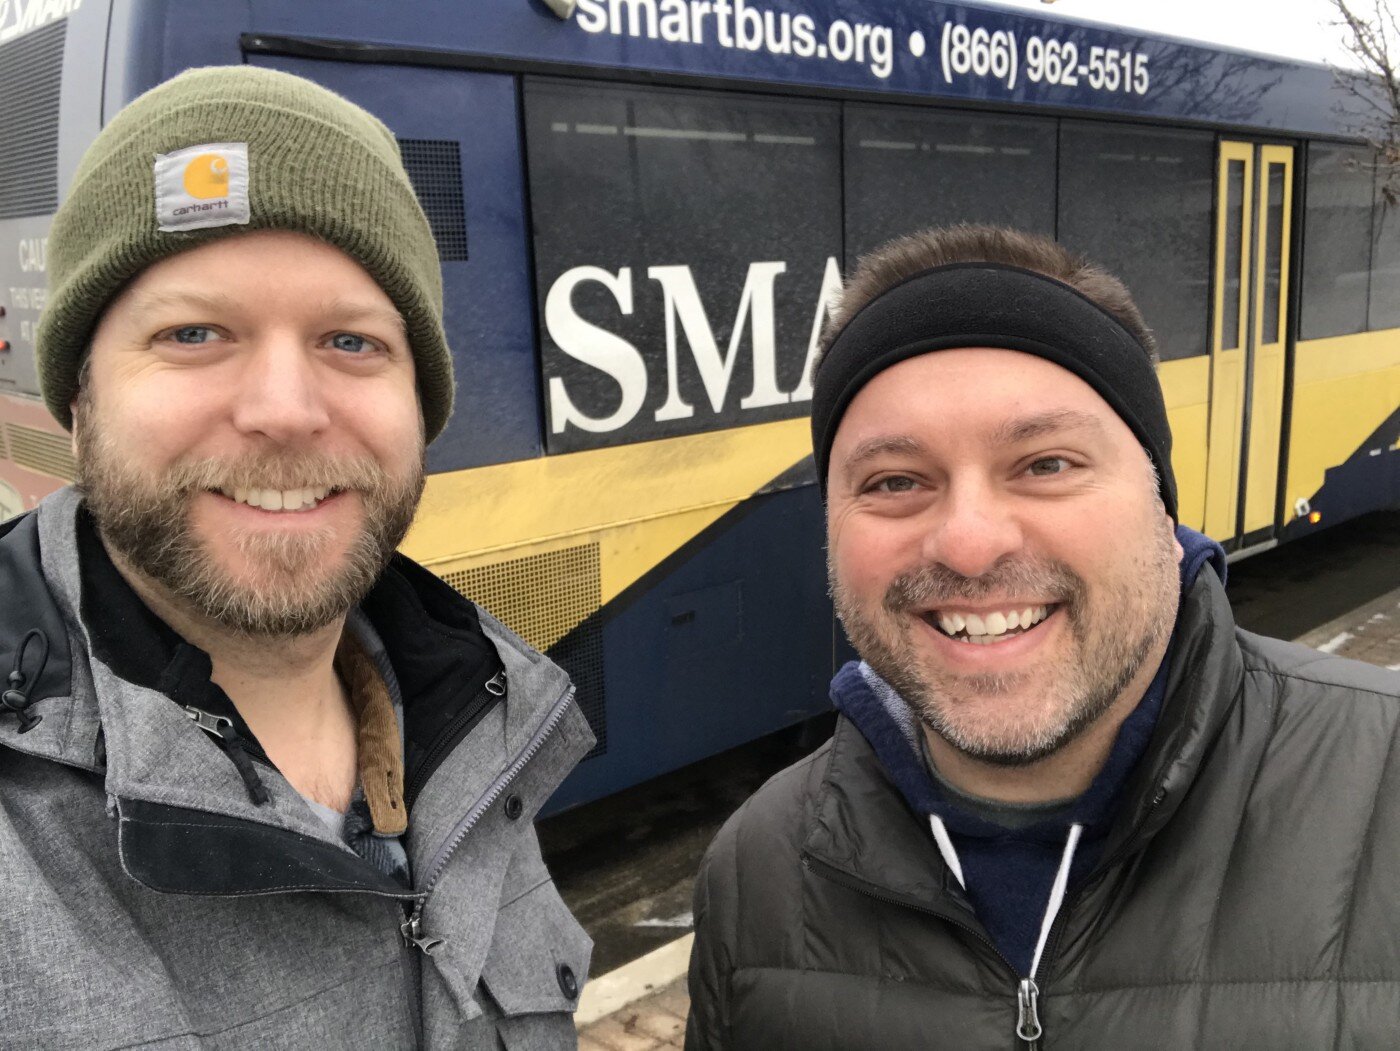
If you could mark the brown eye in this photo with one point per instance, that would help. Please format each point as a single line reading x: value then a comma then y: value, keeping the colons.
x: 1049, y: 465
x: 895, y: 484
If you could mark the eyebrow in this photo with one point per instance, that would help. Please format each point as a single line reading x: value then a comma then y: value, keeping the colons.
x: 883, y: 445
x: 343, y: 310
x: 1027, y: 428
x: 348, y: 311
x: 213, y: 302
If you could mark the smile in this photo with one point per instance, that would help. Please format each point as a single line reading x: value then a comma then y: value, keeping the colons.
x: 280, y: 499
x: 981, y: 629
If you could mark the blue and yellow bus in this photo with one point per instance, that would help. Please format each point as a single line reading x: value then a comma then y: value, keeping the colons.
x: 643, y: 208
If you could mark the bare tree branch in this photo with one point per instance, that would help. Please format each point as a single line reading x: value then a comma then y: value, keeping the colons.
x: 1373, y: 39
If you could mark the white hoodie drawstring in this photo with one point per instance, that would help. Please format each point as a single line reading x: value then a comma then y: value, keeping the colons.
x: 945, y: 847
x: 1027, y: 992
x: 1057, y: 889
x: 1057, y: 895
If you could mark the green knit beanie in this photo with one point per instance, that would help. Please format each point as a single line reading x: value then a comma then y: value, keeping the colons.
x: 219, y: 151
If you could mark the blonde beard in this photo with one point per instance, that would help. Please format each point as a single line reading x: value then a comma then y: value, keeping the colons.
x: 297, y: 589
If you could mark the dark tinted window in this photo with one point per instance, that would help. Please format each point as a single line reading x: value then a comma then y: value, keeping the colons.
x: 1385, y: 266
x: 1232, y: 263
x: 1139, y: 203
x: 1336, y: 241
x: 682, y: 240
x: 1273, y: 188
x: 907, y: 170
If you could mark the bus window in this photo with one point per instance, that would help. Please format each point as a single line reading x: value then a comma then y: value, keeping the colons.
x: 1235, y: 222
x: 1139, y: 203
x: 1385, y: 266
x: 1336, y: 241
x: 1273, y: 253
x: 685, y: 244
x: 908, y: 169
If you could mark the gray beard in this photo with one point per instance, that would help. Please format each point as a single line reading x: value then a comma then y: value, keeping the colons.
x: 1108, y: 660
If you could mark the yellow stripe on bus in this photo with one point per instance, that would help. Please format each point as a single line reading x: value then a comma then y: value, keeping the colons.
x: 640, y: 502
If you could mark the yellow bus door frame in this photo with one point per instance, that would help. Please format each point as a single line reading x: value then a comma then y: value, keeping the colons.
x: 1249, y: 337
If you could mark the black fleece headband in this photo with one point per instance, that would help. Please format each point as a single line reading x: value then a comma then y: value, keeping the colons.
x: 991, y: 305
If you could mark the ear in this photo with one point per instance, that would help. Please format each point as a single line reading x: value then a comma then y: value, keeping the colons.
x: 77, y: 422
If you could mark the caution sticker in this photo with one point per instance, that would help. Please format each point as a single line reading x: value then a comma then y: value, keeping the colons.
x: 202, y: 186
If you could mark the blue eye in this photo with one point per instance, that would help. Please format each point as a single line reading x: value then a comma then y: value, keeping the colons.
x: 350, y: 343
x: 193, y: 334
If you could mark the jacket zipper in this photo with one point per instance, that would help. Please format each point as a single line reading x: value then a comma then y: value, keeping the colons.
x: 495, y: 688
x: 1028, y: 994
x: 1028, y: 1028
x: 412, y: 928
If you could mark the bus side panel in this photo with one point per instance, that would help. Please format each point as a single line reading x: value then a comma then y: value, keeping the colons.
x: 1344, y: 452
x: 461, y: 143
x: 50, y: 98
x: 729, y: 639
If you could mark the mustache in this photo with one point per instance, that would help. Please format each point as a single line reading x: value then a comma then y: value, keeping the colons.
x: 277, y: 471
x: 935, y: 584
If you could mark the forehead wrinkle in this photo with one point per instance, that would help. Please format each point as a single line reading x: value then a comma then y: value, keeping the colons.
x: 1025, y: 428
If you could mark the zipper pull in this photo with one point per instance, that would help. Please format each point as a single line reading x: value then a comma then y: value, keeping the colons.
x: 412, y: 931
x: 1027, y: 1017
x: 214, y: 725
x: 496, y: 685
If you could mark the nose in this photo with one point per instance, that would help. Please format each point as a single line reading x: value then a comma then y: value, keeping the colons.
x: 279, y: 393
x: 976, y: 527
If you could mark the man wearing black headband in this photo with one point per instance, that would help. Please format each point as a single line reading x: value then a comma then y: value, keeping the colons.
x: 1066, y: 799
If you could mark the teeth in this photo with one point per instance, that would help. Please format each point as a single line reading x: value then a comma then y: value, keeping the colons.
x: 983, y: 629
x: 279, y: 499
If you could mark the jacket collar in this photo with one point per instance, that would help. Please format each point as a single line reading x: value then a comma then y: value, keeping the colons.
x: 862, y: 826
x: 156, y: 756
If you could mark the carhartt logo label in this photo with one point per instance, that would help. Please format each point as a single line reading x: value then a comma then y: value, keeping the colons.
x: 207, y: 176
x: 202, y: 186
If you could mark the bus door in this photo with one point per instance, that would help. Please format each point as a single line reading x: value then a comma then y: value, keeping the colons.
x: 1254, y: 200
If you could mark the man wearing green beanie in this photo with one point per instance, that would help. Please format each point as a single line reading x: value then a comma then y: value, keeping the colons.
x: 263, y: 782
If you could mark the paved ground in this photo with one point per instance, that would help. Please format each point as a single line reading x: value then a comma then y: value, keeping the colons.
x: 654, y: 1022
x: 1370, y: 632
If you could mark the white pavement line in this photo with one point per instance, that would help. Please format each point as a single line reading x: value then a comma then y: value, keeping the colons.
x: 615, y: 990
x: 1388, y: 603
x: 1332, y: 645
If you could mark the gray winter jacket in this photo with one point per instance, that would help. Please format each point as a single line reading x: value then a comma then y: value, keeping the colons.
x: 148, y: 902
x: 1247, y: 896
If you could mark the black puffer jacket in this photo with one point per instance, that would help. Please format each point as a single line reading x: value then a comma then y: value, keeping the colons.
x: 1247, y: 897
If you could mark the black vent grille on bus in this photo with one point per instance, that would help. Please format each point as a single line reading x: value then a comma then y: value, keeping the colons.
x: 551, y: 601
x: 41, y: 451
x: 30, y: 71
x: 434, y: 167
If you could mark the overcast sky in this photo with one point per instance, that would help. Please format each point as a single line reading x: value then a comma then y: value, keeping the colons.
x: 1295, y: 28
